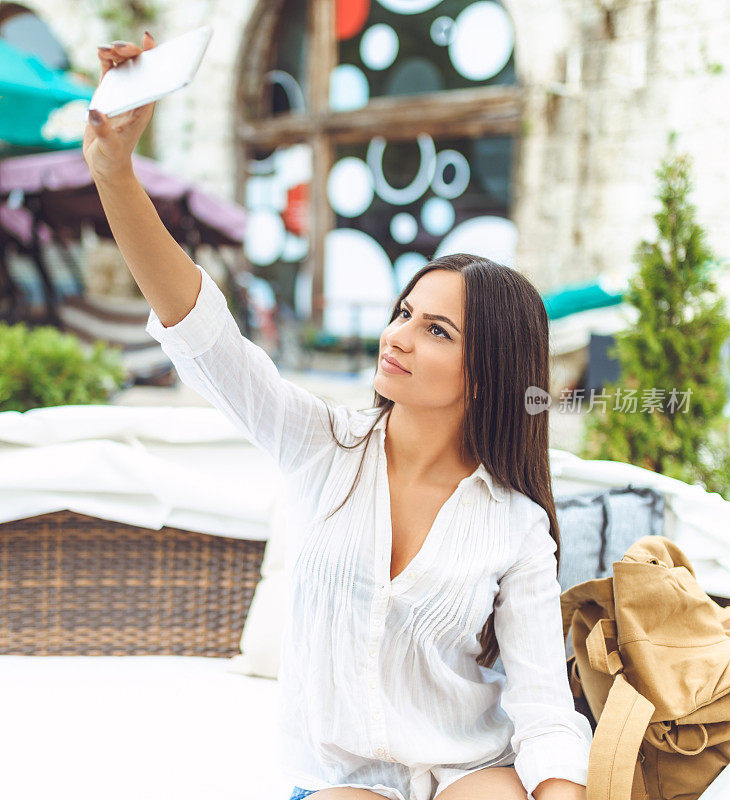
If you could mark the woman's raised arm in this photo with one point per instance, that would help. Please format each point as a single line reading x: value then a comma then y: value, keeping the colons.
x: 238, y: 377
x: 165, y: 274
x: 189, y: 314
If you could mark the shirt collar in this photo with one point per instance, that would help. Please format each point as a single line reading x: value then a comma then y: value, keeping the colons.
x: 498, y: 492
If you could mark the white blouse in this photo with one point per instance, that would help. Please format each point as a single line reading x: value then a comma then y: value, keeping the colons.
x: 379, y: 684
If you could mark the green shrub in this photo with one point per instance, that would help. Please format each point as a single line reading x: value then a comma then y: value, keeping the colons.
x: 42, y: 367
x: 675, y: 345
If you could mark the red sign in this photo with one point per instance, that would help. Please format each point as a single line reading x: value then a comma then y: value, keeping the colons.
x: 296, y: 213
x: 350, y: 17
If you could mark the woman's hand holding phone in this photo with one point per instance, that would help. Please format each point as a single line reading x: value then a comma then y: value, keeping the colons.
x: 110, y: 141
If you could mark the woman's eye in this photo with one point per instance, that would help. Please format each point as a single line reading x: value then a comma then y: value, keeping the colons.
x: 438, y: 327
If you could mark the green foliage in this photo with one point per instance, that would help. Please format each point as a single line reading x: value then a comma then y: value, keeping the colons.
x: 675, y: 344
x: 125, y: 15
x: 42, y: 367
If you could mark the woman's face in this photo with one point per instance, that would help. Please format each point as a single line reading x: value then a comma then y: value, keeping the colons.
x: 430, y: 349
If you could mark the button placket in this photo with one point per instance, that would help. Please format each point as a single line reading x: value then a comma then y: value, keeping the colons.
x: 377, y: 626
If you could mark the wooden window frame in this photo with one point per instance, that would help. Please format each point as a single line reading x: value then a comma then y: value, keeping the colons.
x: 471, y: 112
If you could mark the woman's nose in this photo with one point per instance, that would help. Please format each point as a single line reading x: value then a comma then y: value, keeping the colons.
x: 399, y: 337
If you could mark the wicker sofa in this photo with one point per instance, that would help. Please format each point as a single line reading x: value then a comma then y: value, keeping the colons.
x: 116, y: 641
x: 119, y: 618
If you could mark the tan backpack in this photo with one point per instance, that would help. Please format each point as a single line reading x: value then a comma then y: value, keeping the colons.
x: 652, y: 660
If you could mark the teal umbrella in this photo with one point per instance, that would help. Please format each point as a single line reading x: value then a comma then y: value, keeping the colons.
x: 40, y: 108
x: 574, y: 297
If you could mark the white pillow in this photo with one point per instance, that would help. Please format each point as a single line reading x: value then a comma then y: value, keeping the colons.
x: 263, y: 630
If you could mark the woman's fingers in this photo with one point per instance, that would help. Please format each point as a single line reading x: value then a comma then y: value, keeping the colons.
x: 119, y: 51
x: 105, y: 56
x: 100, y: 122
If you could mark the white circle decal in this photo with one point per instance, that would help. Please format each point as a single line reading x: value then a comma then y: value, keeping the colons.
x: 258, y: 193
x: 358, y: 284
x: 349, y: 88
x: 482, y: 41
x: 442, y: 31
x: 490, y: 237
x: 403, y: 228
x: 295, y: 247
x: 437, y: 216
x: 460, y: 180
x: 303, y: 294
x: 424, y: 176
x: 408, y: 6
x: 292, y: 90
x: 350, y: 187
x: 379, y: 46
x: 406, y: 266
x: 264, y: 237
x: 294, y: 164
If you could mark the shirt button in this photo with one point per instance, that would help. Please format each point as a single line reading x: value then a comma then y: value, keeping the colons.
x: 376, y: 714
x: 465, y: 501
x: 372, y: 684
x: 379, y: 751
x: 371, y: 651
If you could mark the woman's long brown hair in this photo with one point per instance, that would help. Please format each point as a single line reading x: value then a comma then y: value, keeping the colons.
x: 506, y: 350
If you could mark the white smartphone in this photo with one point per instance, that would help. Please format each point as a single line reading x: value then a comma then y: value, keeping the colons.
x: 153, y: 74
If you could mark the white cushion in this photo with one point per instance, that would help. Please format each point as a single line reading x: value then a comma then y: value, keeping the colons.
x: 137, y: 728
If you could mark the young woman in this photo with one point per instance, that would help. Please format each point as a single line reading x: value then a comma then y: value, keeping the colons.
x: 423, y: 539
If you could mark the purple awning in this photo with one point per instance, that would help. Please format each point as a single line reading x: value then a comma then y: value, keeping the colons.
x: 67, y: 197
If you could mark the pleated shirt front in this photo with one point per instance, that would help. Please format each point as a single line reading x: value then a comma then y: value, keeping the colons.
x: 380, y: 688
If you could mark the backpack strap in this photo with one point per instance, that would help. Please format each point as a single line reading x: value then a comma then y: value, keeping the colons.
x: 601, y: 659
x: 612, y: 767
x: 615, y: 748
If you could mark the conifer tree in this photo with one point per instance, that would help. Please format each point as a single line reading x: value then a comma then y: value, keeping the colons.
x: 672, y: 355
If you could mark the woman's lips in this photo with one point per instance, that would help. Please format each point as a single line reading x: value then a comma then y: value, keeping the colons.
x: 391, y: 368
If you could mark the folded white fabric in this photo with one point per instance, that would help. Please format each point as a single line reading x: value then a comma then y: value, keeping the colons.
x: 74, y: 423
x: 181, y: 467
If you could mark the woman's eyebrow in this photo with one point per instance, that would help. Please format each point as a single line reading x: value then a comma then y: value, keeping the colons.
x: 432, y: 316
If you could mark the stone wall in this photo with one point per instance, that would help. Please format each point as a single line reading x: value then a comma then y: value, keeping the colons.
x: 631, y: 73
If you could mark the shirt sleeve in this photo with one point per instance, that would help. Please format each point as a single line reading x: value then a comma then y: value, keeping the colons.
x: 211, y: 355
x: 551, y: 739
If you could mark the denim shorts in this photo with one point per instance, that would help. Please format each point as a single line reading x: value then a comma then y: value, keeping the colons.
x: 298, y: 793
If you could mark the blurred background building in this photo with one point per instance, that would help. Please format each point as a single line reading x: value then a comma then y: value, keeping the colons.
x: 364, y: 136
x: 412, y: 127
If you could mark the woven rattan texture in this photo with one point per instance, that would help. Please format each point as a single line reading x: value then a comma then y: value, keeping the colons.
x: 72, y: 584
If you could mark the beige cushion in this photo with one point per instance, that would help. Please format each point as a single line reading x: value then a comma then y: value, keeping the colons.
x: 261, y: 637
